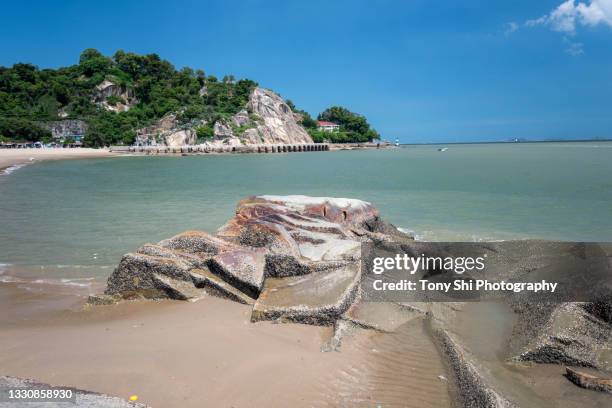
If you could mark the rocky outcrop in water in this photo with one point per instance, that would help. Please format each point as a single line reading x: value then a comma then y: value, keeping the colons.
x: 294, y: 258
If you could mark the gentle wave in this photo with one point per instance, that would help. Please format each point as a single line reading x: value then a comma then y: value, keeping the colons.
x: 412, y: 233
x: 10, y: 279
x: 64, y: 282
x: 4, y: 278
x: 62, y: 266
x: 55, y: 282
x: 12, y: 169
x: 74, y: 282
x: 452, y: 236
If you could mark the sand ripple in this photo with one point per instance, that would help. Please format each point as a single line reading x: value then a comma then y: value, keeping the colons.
x: 401, y: 369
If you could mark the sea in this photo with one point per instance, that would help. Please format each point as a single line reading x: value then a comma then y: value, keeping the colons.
x: 67, y: 223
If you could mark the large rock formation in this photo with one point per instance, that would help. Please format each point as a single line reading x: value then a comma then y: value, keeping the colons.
x: 241, y: 118
x: 266, y: 119
x: 222, y: 131
x: 114, y: 97
x: 180, y: 138
x: 278, y: 123
x: 168, y: 132
x: 294, y: 258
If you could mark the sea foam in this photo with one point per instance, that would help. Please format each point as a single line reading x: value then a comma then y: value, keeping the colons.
x: 12, y: 169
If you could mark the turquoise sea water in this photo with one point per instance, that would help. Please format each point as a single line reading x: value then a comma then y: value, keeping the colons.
x: 74, y: 218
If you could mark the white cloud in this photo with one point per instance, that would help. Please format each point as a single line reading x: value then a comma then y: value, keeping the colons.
x: 568, y: 15
x: 511, y: 27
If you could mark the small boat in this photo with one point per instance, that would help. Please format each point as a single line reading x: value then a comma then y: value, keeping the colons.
x: 442, y: 149
x: 396, y: 142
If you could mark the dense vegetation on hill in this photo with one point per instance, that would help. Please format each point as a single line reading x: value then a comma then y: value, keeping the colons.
x: 353, y: 127
x: 30, y: 96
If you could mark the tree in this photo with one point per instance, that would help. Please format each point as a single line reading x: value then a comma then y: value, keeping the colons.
x: 205, y: 132
x: 350, y: 122
x: 201, y: 75
x: 26, y: 72
x: 307, y: 121
x: 89, y: 54
x: 61, y: 93
x: 22, y: 129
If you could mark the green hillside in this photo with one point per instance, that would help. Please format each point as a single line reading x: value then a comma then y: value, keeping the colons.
x: 30, y: 96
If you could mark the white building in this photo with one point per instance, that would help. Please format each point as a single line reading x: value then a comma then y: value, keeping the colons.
x: 327, y: 126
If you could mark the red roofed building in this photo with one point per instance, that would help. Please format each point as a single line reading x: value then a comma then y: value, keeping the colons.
x: 327, y: 126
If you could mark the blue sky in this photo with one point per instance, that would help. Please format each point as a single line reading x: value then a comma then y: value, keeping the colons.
x: 422, y: 71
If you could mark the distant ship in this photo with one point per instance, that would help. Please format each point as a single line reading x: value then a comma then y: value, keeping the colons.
x: 397, y: 142
x: 442, y: 149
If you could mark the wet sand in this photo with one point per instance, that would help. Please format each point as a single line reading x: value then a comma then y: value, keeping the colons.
x: 485, y: 329
x: 401, y: 369
x: 15, y: 157
x: 208, y: 353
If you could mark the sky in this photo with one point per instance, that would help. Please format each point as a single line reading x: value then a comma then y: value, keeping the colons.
x: 421, y: 71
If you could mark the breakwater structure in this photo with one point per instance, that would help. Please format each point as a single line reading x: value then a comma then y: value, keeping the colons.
x: 263, y: 148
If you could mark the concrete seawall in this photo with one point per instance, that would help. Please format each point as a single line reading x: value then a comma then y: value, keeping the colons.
x: 279, y: 148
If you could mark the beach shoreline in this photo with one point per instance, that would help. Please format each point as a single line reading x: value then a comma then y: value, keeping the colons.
x: 209, y: 353
x: 17, y: 158
x: 21, y: 157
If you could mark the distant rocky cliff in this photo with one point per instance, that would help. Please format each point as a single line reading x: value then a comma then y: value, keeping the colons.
x: 114, y: 97
x: 277, y: 122
x: 168, y: 131
x: 266, y: 119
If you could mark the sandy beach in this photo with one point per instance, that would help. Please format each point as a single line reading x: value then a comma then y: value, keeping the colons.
x: 15, y: 157
x: 209, y: 353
